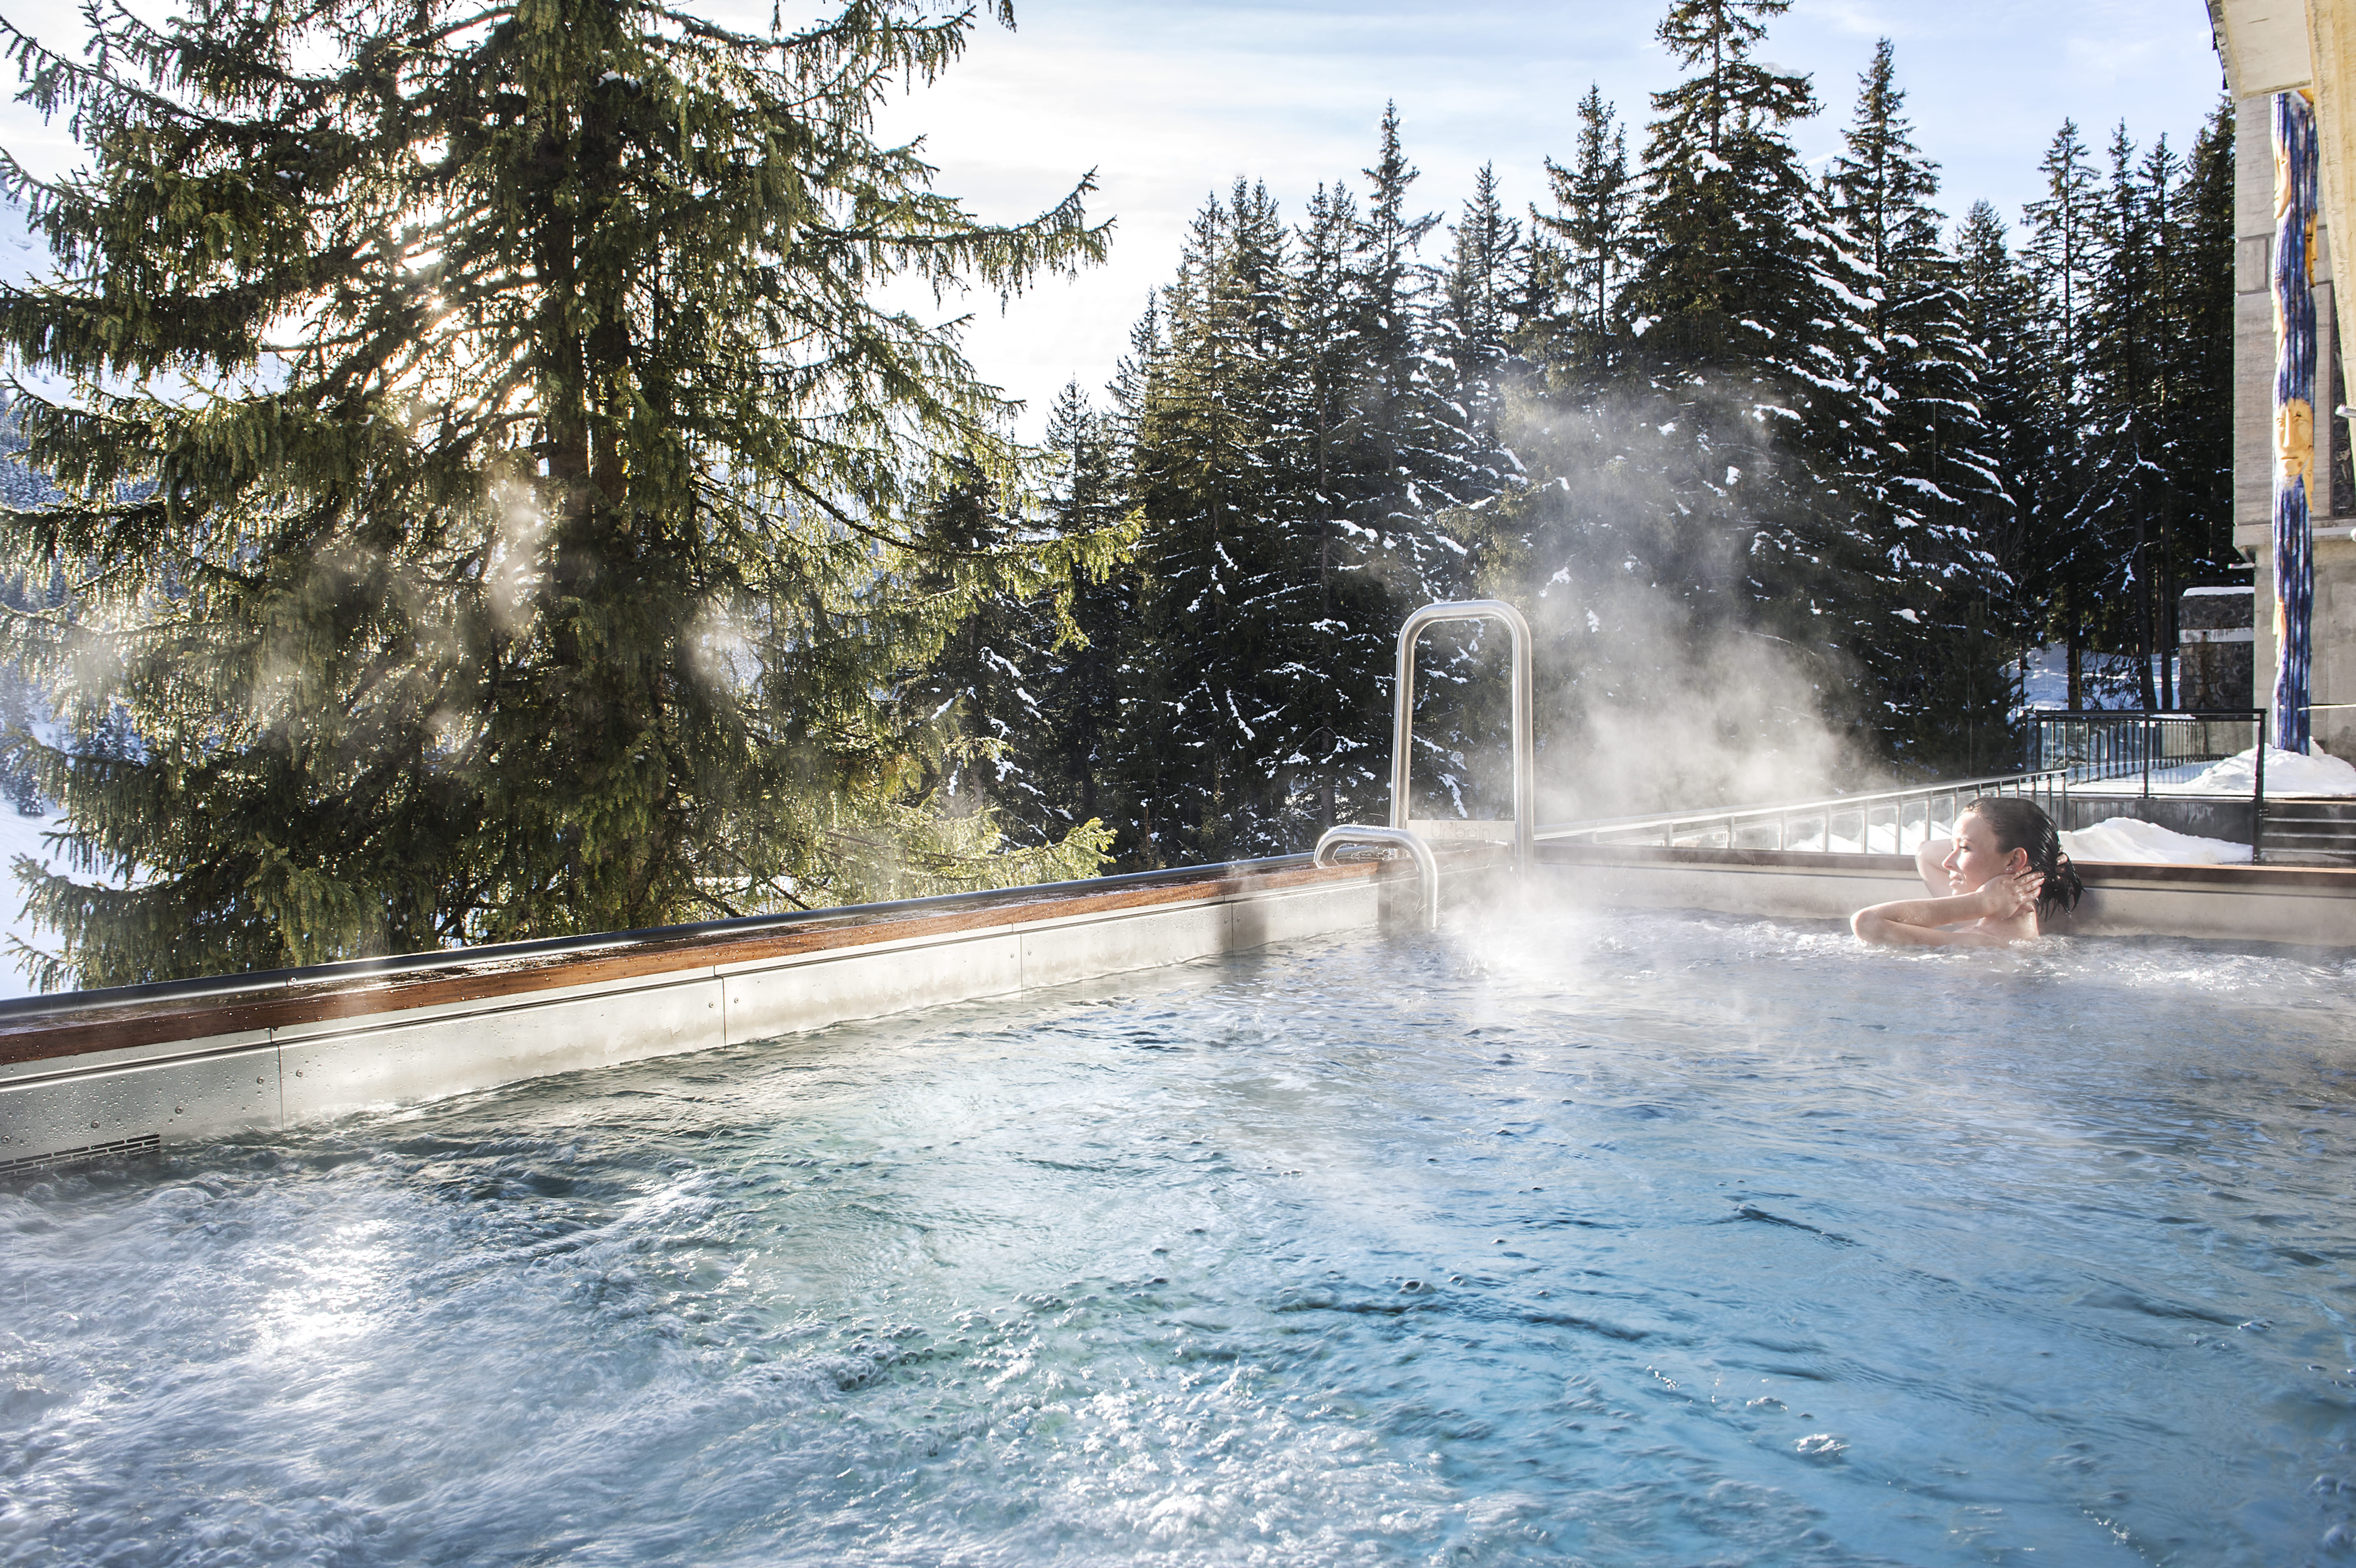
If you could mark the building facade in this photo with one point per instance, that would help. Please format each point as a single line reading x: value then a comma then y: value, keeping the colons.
x: 2289, y: 45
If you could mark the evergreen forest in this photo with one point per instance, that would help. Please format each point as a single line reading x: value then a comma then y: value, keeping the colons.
x: 490, y: 501
x: 1789, y: 470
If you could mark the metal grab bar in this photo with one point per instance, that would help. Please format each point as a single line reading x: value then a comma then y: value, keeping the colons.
x: 1425, y: 865
x: 1526, y: 788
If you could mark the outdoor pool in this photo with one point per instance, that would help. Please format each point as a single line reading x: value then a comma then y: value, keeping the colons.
x: 1609, y: 1240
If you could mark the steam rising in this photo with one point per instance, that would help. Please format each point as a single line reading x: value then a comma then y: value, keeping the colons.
x: 1660, y: 686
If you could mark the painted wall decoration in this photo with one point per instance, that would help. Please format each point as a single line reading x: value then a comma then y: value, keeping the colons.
x: 2293, y: 291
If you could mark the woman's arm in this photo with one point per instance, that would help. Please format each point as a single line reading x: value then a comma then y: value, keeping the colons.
x: 1916, y: 922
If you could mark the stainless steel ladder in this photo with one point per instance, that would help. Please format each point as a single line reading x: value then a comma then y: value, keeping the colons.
x: 1401, y: 834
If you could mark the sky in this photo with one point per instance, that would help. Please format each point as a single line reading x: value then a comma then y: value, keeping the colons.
x: 1169, y: 103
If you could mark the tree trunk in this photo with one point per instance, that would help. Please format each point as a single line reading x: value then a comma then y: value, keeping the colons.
x: 2144, y: 608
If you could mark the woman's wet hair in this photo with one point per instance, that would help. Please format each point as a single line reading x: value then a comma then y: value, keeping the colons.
x: 2021, y: 824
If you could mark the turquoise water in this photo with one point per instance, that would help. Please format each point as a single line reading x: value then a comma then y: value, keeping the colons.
x: 1617, y: 1242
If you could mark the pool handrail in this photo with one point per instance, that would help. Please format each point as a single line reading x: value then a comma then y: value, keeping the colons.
x: 1426, y: 866
x: 2051, y: 785
x: 1526, y: 788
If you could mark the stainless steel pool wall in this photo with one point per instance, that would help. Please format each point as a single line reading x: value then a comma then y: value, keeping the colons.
x: 2297, y: 905
x: 96, y: 1072
x: 92, y: 1073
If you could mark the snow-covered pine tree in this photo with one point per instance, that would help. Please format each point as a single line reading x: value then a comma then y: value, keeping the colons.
x: 1406, y: 441
x: 1080, y: 691
x: 1473, y: 331
x: 1358, y: 600
x: 2200, y: 259
x: 1410, y: 458
x: 2061, y: 567
x: 2158, y: 389
x: 1923, y: 471
x: 1589, y: 237
x: 2125, y: 387
x: 1000, y: 685
x: 1740, y: 344
x: 1996, y: 326
x: 528, y: 555
x: 1226, y: 700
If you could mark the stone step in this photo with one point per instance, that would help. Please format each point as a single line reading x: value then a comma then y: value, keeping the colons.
x: 2310, y: 832
x: 2335, y: 805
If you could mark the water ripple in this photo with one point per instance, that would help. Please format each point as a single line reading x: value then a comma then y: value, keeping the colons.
x: 1570, y: 1239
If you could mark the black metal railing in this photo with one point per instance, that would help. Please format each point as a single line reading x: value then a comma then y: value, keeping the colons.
x: 2109, y: 746
x: 2144, y: 747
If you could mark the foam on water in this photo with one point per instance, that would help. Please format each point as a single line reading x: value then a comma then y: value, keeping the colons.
x: 1620, y: 1240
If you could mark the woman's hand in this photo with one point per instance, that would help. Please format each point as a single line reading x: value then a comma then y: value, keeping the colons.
x: 2009, y: 896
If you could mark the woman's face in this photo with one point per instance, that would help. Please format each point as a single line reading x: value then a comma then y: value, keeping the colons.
x: 1976, y: 859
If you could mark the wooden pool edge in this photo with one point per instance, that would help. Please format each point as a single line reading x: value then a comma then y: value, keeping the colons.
x: 92, y: 1076
x: 96, y: 1075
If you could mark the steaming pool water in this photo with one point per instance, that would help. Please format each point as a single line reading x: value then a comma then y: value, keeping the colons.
x: 1618, y: 1240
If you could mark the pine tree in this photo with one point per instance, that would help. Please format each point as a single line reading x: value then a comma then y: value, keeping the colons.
x: 1222, y: 705
x: 2200, y: 261
x: 998, y: 684
x: 1995, y: 329
x: 1473, y: 330
x: 533, y: 553
x: 2125, y: 390
x: 1409, y: 441
x: 1592, y: 228
x: 1924, y: 469
x: 1739, y: 337
x: 2062, y: 568
x: 1357, y: 601
x: 1084, y: 683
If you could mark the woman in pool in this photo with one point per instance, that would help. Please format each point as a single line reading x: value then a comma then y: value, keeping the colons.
x: 2003, y: 871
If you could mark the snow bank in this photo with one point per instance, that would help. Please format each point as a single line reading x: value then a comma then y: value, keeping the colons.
x: 2287, y: 772
x: 2126, y: 839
